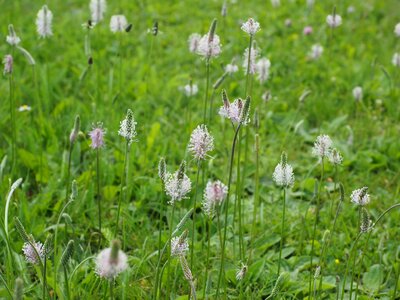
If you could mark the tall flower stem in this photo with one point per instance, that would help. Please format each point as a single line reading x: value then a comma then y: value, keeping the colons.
x: 169, y: 251
x: 66, y: 283
x: 12, y: 116
x: 237, y: 206
x: 98, y: 191
x: 159, y: 243
x: 315, y: 226
x: 123, y: 182
x: 70, y: 148
x: 208, y: 256
x: 248, y: 66
x: 199, y: 164
x: 111, y: 290
x: 221, y: 270
x: 348, y: 262
x: 256, y: 188
x: 207, y: 87
x: 327, y: 242
x: 282, y: 229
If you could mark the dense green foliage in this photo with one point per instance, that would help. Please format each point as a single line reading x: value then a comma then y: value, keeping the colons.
x: 145, y: 73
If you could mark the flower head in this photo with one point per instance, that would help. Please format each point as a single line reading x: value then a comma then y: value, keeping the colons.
x: 112, y: 261
x: 194, y: 40
x: 322, y: 146
x: 214, y: 193
x: 97, y: 136
x: 334, y: 20
x: 358, y: 93
x: 397, y: 30
x: 307, y: 30
x: 249, y: 65
x: 360, y: 196
x: 127, y: 127
x: 335, y: 157
x: 235, y: 111
x: 201, y: 142
x: 276, y: 3
x: 263, y: 66
x: 43, y: 22
x: 190, y: 89
x: 241, y: 273
x: 162, y: 169
x: 231, y: 68
x: 209, y: 47
x: 31, y: 255
x: 316, y: 51
x: 251, y: 27
x: 179, y: 245
x: 396, y: 60
x: 97, y: 10
x: 178, y: 184
x: 12, y: 37
x: 8, y: 64
x: 118, y: 23
x: 283, y: 174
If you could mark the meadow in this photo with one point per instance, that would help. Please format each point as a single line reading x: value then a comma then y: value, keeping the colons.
x: 199, y: 149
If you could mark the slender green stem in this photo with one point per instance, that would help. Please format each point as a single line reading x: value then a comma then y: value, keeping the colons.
x: 120, y: 65
x: 98, y: 190
x: 169, y: 251
x: 327, y: 243
x: 56, y: 245
x: 226, y: 210
x: 248, y: 66
x: 256, y: 190
x: 199, y: 164
x: 315, y: 226
x: 123, y: 182
x: 208, y: 256
x: 211, y: 106
x: 237, y: 198
x: 111, y: 289
x: 66, y: 283
x: 71, y: 146
x: 282, y: 230
x: 44, y: 275
x: 348, y: 263
x: 206, y: 92
x: 12, y: 116
x: 354, y: 261
x: 219, y: 229
x: 159, y: 243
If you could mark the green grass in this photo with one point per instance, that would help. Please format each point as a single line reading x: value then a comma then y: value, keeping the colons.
x: 153, y: 70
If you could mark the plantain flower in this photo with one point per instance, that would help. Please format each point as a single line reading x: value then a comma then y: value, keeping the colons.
x: 97, y: 136
x: 97, y: 9
x: 360, y: 197
x: 44, y: 22
x: 283, y: 174
x: 334, y: 20
x: 32, y: 256
x: 201, y: 142
x: 214, y: 194
x: 118, y: 23
x: 112, y: 261
x: 262, y: 67
x: 8, y: 64
x: 322, y: 146
x: 251, y: 27
x: 12, y: 37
